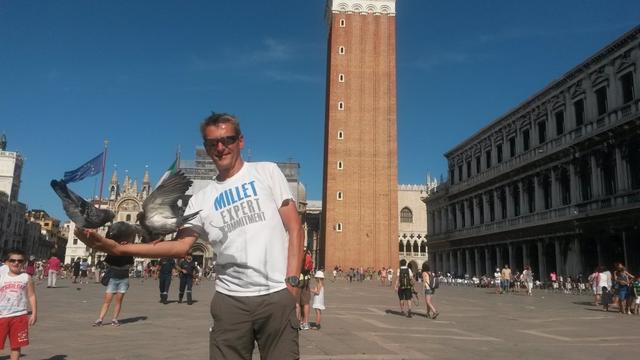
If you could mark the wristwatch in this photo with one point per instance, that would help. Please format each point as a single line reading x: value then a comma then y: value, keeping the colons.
x: 292, y: 280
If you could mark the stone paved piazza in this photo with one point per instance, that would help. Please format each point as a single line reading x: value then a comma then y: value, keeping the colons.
x: 359, y: 324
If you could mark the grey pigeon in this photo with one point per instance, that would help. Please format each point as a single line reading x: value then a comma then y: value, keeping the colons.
x: 79, y: 210
x: 160, y: 213
x: 123, y: 231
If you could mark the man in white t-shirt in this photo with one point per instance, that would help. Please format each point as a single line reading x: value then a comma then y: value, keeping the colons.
x: 249, y: 217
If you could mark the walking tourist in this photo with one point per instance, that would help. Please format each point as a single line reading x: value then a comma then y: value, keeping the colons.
x: 497, y: 279
x: 606, y: 298
x: 76, y: 270
x: 623, y: 281
x: 249, y: 216
x: 636, y: 294
x: 318, y: 299
x: 53, y: 264
x: 404, y: 287
x: 428, y: 281
x: 303, y: 306
x: 187, y: 267
x: 594, y: 282
x: 16, y: 288
x: 506, y: 278
x: 84, y: 268
x: 165, y: 272
x: 118, y: 285
x: 527, y: 278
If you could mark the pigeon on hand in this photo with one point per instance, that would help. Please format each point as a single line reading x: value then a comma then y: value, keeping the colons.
x: 123, y: 232
x: 79, y: 210
x: 160, y: 213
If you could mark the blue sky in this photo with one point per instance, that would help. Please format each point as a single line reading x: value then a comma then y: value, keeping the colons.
x: 143, y: 74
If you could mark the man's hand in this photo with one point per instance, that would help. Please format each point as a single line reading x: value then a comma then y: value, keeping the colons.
x: 92, y: 239
x: 294, y: 291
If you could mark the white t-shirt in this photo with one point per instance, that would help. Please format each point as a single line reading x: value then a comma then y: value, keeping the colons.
x: 243, y: 224
x: 13, y: 294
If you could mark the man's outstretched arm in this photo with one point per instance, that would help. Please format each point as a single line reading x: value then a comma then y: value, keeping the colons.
x: 177, y: 248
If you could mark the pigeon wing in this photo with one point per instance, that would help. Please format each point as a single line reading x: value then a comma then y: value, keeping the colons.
x: 160, y: 209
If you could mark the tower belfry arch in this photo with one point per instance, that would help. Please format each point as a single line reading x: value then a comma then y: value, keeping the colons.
x: 360, y: 220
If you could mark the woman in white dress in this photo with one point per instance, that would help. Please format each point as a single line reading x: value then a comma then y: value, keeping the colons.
x: 318, y: 299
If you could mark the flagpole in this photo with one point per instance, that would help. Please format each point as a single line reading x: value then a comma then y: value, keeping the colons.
x: 104, y: 162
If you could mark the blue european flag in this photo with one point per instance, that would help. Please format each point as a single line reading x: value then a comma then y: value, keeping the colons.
x: 90, y: 168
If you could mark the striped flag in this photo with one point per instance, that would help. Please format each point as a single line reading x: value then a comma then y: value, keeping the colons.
x: 171, y: 170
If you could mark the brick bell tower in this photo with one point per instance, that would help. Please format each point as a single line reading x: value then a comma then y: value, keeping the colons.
x: 360, y: 195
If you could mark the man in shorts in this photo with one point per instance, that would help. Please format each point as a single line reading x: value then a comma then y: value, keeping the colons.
x: 404, y: 287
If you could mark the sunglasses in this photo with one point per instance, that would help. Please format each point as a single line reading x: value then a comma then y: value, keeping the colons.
x: 13, y: 261
x: 225, y: 140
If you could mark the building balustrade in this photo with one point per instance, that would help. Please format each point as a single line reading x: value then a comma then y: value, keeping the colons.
x: 568, y: 212
x: 603, y: 123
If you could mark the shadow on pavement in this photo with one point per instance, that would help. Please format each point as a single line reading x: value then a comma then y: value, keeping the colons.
x: 54, y: 357
x: 133, y: 319
x: 585, y: 303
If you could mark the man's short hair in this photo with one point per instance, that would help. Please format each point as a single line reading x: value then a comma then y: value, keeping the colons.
x: 216, y: 119
x: 16, y: 251
x: 403, y: 262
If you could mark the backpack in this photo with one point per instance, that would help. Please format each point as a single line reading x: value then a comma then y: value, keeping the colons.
x: 434, y: 281
x: 405, y: 279
x: 308, y: 263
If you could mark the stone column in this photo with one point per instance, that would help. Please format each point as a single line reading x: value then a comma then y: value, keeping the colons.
x: 542, y: 262
x: 575, y: 183
x: 433, y: 259
x: 555, y: 187
x: 452, y: 262
x: 525, y: 255
x: 524, y: 207
x: 578, y: 251
x: 476, y: 253
x: 485, y: 205
x: 450, y: 219
x: 496, y: 202
x: 559, y: 262
x: 624, y: 248
x: 466, y: 204
x: 539, y: 193
x: 430, y: 222
x: 499, y: 262
x: 487, y: 261
x: 509, y: 200
x: 460, y: 269
x: 596, y: 185
x: 477, y: 208
x: 599, y: 251
x: 622, y: 173
x: 467, y: 255
x: 459, y: 215
x: 512, y: 256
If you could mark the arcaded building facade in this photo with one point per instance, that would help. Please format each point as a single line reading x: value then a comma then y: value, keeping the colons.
x: 359, y: 221
x: 554, y: 183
